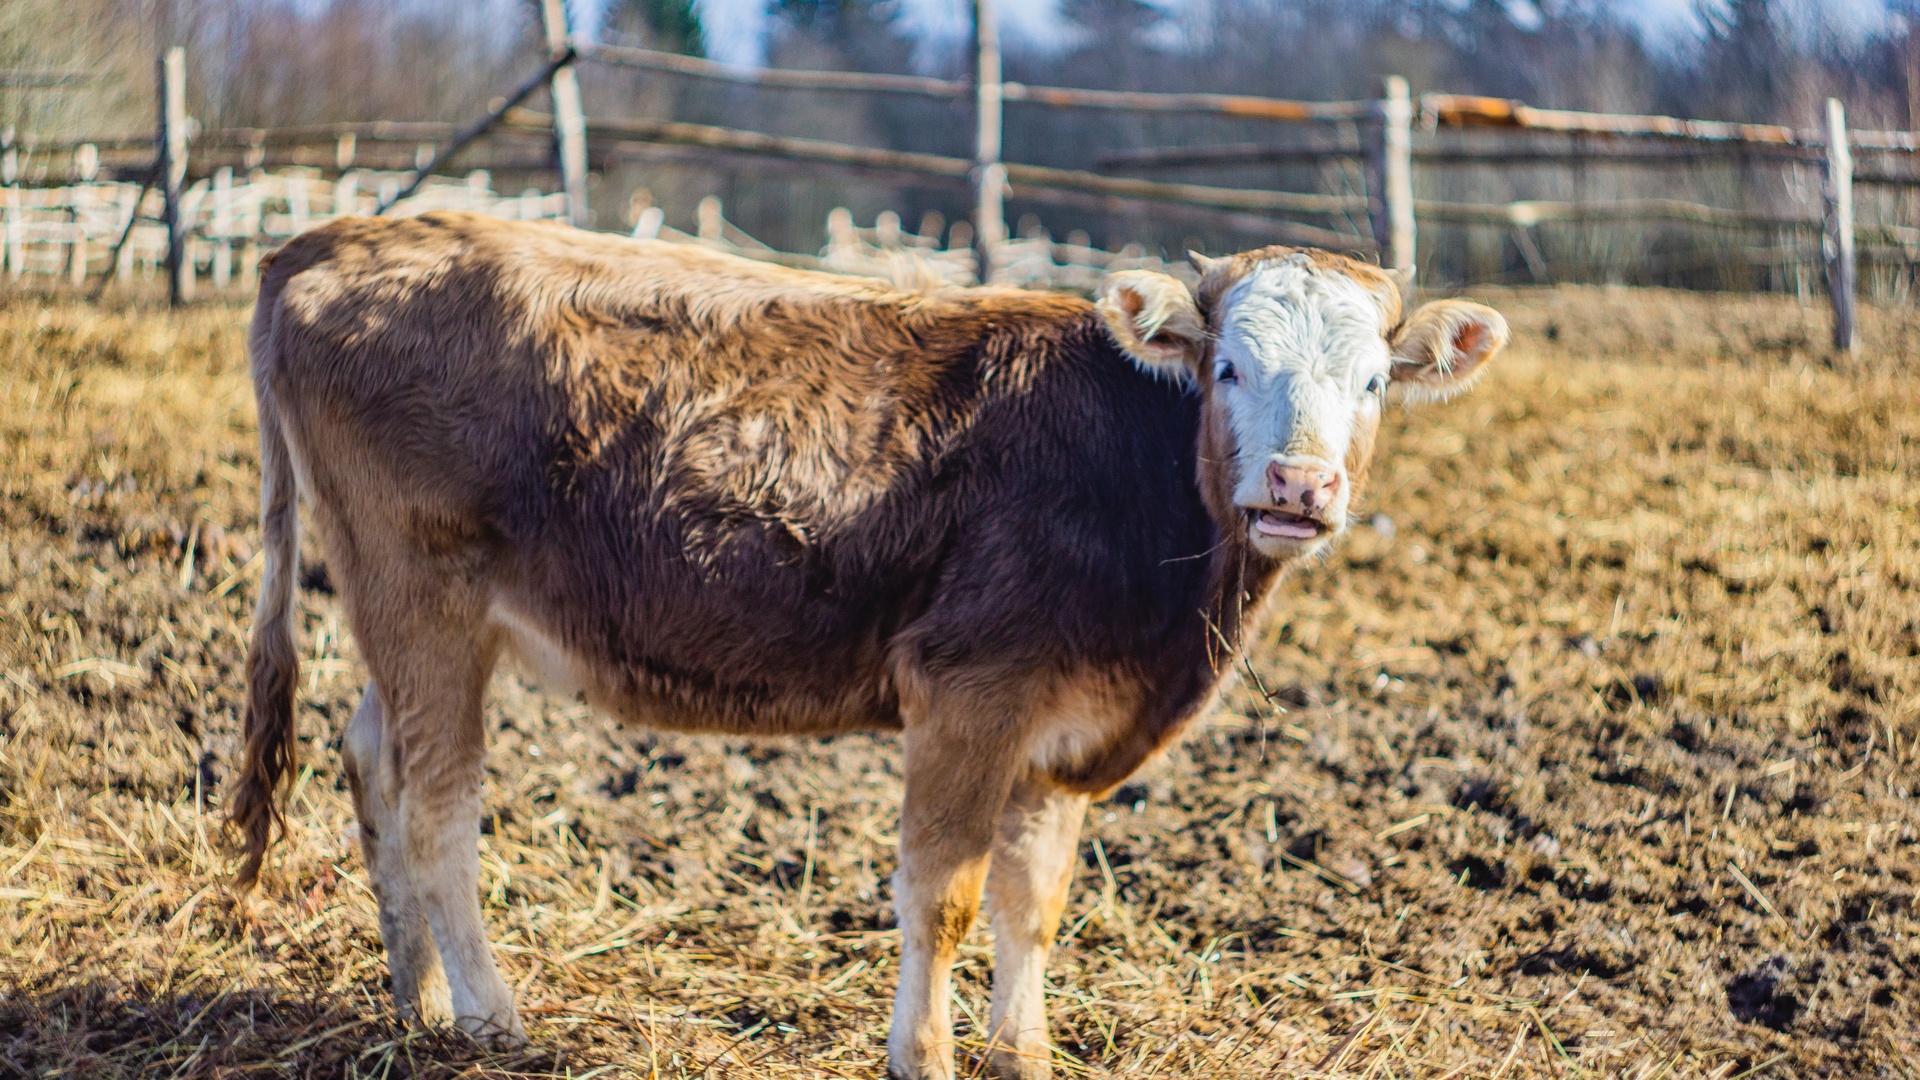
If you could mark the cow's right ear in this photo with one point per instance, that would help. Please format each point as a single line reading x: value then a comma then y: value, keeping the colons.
x: 1443, y: 347
x: 1154, y: 320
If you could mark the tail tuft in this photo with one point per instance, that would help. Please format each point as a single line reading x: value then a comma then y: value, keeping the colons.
x: 272, y: 671
x: 273, y: 665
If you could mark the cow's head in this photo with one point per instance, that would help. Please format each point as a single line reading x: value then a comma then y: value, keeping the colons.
x: 1295, y: 353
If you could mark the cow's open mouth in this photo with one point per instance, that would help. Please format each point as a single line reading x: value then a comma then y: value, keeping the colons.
x: 1288, y: 526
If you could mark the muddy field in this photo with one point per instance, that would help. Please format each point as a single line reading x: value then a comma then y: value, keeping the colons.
x: 1592, y: 753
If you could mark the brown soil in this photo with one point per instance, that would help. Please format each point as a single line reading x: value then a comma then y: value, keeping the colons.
x: 1594, y: 752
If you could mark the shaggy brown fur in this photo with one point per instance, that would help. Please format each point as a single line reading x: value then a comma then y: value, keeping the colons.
x: 723, y: 496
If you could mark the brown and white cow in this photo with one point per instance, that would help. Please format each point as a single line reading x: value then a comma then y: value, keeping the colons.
x: 1028, y: 532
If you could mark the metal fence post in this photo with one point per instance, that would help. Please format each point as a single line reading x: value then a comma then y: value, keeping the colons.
x: 1839, y: 229
x: 173, y: 171
x: 569, y: 116
x: 1390, y: 176
x: 989, y: 175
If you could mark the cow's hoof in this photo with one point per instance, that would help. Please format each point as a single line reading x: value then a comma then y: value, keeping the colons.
x: 432, y: 1007
x: 494, y: 1034
x: 1033, y: 1063
x: 935, y: 1069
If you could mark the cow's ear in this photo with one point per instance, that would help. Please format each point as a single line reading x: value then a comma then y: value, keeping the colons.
x: 1443, y: 347
x: 1154, y: 320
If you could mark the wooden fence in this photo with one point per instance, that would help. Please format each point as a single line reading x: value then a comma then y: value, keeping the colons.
x: 1388, y: 138
x: 123, y: 230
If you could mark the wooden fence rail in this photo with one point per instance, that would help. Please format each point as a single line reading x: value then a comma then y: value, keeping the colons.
x: 1531, y: 212
x: 404, y: 131
x: 1463, y: 110
x: 42, y: 80
x: 1240, y: 106
x: 899, y: 161
x: 774, y: 78
x: 1431, y: 151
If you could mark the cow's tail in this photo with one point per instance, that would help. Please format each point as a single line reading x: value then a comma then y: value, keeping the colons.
x: 273, y: 665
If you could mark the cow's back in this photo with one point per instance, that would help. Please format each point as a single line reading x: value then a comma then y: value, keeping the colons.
x: 728, y: 491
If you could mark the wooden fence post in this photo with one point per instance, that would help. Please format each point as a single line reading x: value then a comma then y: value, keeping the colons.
x: 569, y: 116
x: 1839, y: 229
x: 10, y: 177
x: 222, y: 227
x: 173, y: 171
x: 989, y: 174
x: 86, y: 169
x: 1390, y: 176
x: 123, y: 251
x: 346, y: 199
x: 78, y: 207
x: 299, y: 202
x: 16, y: 234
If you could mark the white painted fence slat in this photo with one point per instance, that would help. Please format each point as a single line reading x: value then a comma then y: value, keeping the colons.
x: 16, y: 235
x: 224, y: 220
x: 222, y: 228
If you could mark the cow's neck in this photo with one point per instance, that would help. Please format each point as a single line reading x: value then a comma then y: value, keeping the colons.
x: 1239, y: 578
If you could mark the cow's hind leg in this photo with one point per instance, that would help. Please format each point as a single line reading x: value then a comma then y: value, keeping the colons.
x: 1033, y: 861
x: 419, y: 983
x: 432, y: 650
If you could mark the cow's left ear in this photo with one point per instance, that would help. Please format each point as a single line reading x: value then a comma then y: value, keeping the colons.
x: 1443, y: 347
x: 1154, y: 320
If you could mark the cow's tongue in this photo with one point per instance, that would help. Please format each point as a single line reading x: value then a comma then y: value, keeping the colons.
x: 1293, y: 528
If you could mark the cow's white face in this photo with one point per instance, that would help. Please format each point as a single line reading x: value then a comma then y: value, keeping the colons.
x: 1295, y: 353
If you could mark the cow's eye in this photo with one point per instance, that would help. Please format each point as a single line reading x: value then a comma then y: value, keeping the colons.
x: 1225, y: 373
x: 1378, y: 386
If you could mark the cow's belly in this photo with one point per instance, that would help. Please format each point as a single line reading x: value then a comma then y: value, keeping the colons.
x: 538, y: 656
x: 646, y: 696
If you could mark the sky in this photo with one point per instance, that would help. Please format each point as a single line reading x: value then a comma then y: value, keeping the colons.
x: 735, y: 30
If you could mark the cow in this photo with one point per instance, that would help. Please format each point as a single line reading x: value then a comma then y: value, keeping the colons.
x: 1029, y: 532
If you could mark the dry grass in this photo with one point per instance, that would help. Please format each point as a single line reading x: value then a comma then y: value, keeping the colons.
x: 1647, y: 612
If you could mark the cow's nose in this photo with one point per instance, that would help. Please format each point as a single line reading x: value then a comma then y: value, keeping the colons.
x: 1306, y: 489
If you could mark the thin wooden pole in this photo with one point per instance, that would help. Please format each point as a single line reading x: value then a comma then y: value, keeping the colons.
x: 463, y: 138
x: 121, y: 258
x: 569, y: 114
x: 1396, y: 116
x: 989, y: 175
x: 1839, y: 239
x: 173, y: 170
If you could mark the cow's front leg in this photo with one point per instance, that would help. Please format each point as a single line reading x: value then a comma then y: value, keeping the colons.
x: 957, y: 782
x: 1033, y: 862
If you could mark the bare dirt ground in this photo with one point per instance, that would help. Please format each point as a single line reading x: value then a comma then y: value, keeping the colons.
x: 1593, y: 754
